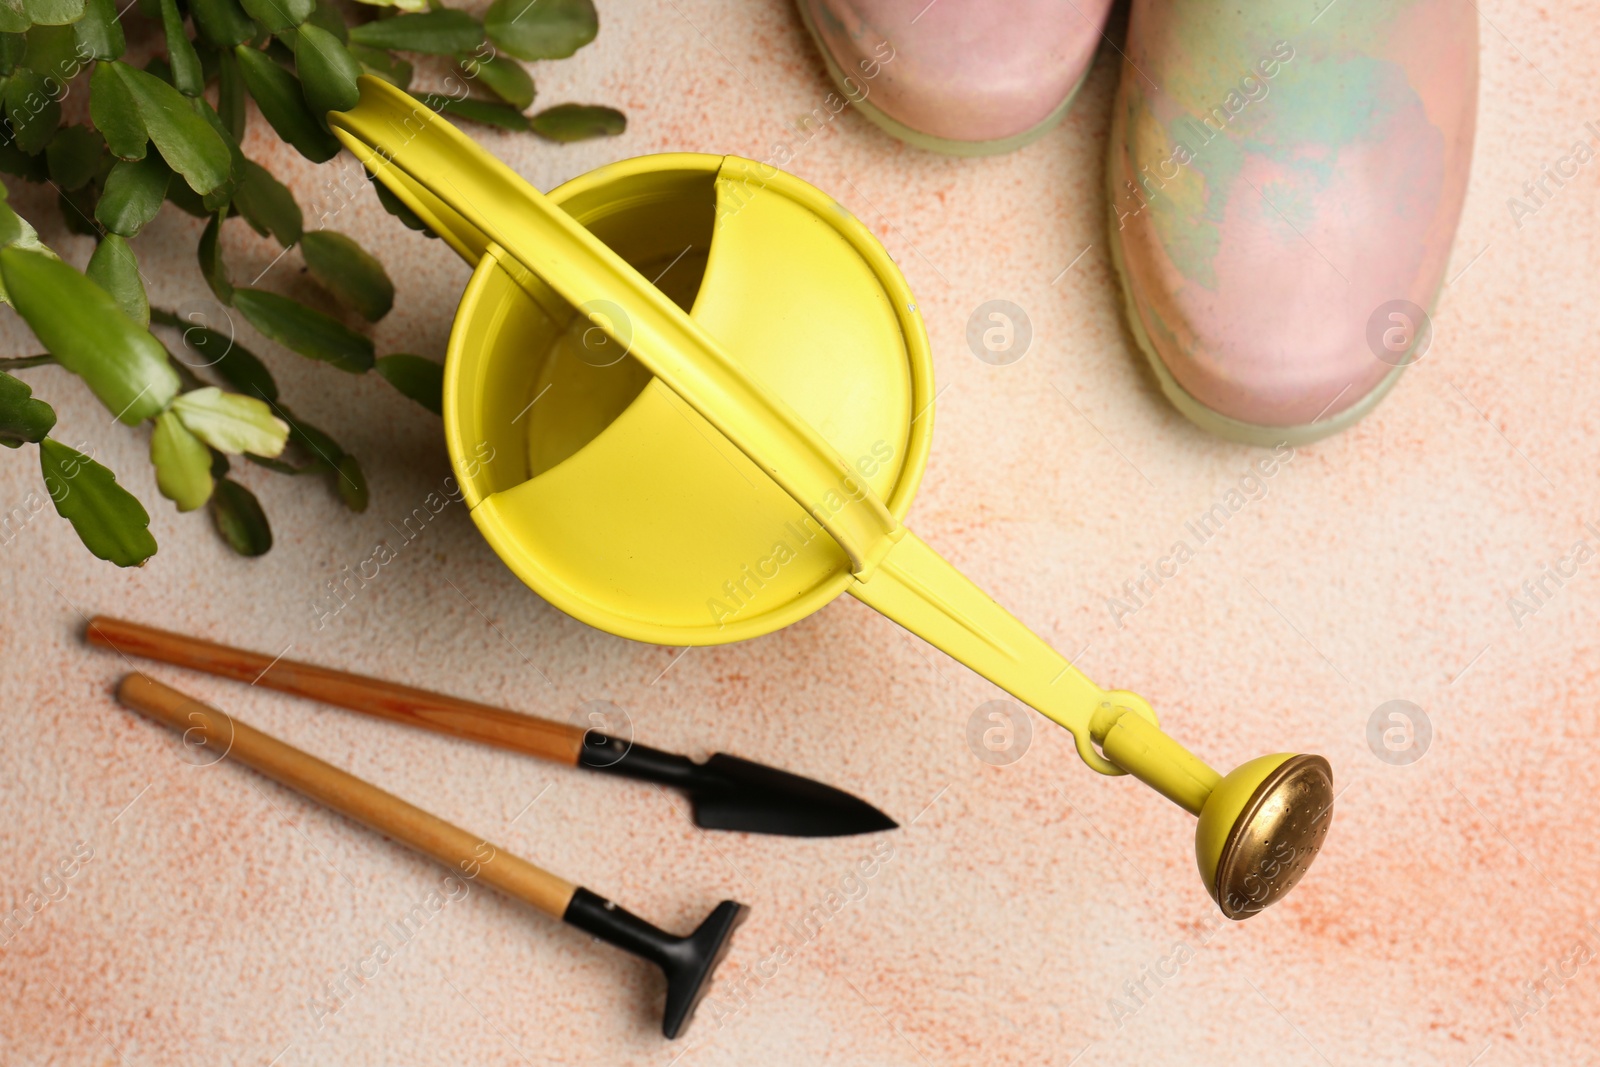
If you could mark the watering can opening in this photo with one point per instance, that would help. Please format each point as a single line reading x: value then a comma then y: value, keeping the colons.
x: 547, y: 379
x: 607, y: 493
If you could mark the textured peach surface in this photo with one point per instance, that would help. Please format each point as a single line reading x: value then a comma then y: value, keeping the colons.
x: 1019, y: 900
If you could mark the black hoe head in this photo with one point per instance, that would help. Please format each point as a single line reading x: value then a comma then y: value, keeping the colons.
x: 688, y: 962
x: 729, y: 793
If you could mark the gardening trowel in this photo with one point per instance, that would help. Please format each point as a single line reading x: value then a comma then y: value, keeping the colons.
x: 725, y: 792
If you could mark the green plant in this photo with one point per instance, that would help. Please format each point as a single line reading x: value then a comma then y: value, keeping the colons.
x: 170, y: 132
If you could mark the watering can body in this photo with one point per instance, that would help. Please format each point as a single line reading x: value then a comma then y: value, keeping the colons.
x: 611, y: 496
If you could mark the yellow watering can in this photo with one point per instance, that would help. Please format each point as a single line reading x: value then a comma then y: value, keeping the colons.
x: 687, y: 398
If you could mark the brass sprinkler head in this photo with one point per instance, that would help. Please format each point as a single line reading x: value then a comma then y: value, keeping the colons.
x: 1261, y: 828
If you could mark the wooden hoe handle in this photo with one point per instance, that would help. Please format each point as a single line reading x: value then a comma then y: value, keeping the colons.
x: 469, y: 855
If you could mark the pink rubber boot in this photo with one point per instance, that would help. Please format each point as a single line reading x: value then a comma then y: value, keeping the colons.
x: 1283, y: 206
x: 966, y: 77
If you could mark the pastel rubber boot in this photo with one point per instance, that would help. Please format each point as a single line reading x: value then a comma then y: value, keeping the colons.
x: 1282, y: 208
x: 965, y: 77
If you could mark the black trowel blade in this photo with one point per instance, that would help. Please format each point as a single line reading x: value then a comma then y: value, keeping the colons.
x: 730, y: 793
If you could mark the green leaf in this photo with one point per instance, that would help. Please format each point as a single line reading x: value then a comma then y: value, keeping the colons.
x: 182, y: 463
x: 113, y: 268
x: 276, y: 50
x: 420, y: 379
x: 278, y: 465
x: 16, y: 232
x: 239, y: 519
x: 13, y: 46
x: 188, y: 200
x: 74, y: 156
x: 541, y: 29
x: 304, y: 330
x: 324, y: 455
x: 181, y: 56
x: 328, y: 16
x: 116, y: 113
x: 52, y: 51
x: 268, y: 205
x: 276, y: 16
x: 221, y: 23
x: 506, y: 78
x: 206, y: 347
x: 231, y: 422
x: 277, y: 93
x: 397, y: 207
x: 239, y: 367
x: 184, y: 138
x: 219, y: 198
x: 501, y: 115
x: 133, y: 194
x: 349, y: 272
x: 77, y: 211
x: 212, y: 268
x: 33, y: 106
x: 14, y: 160
x: 324, y: 450
x: 578, y: 122
x: 53, y: 12
x: 13, y: 20
x: 22, y: 418
x: 328, y: 72
x: 381, y: 64
x: 83, y: 328
x: 441, y: 32
x: 99, y: 33
x: 108, y: 519
x: 208, y: 56
x: 352, y: 484
x: 230, y: 95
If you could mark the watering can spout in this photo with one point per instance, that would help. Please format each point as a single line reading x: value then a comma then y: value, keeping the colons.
x: 1259, y: 827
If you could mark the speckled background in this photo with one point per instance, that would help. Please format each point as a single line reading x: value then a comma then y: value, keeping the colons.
x: 1022, y: 904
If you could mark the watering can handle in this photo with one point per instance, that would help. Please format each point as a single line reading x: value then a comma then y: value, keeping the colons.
x: 475, y: 202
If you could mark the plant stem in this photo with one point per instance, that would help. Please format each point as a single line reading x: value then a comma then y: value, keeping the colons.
x: 19, y: 362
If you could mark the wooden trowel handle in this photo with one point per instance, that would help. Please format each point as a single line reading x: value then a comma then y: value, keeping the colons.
x: 228, y: 738
x: 371, y: 696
